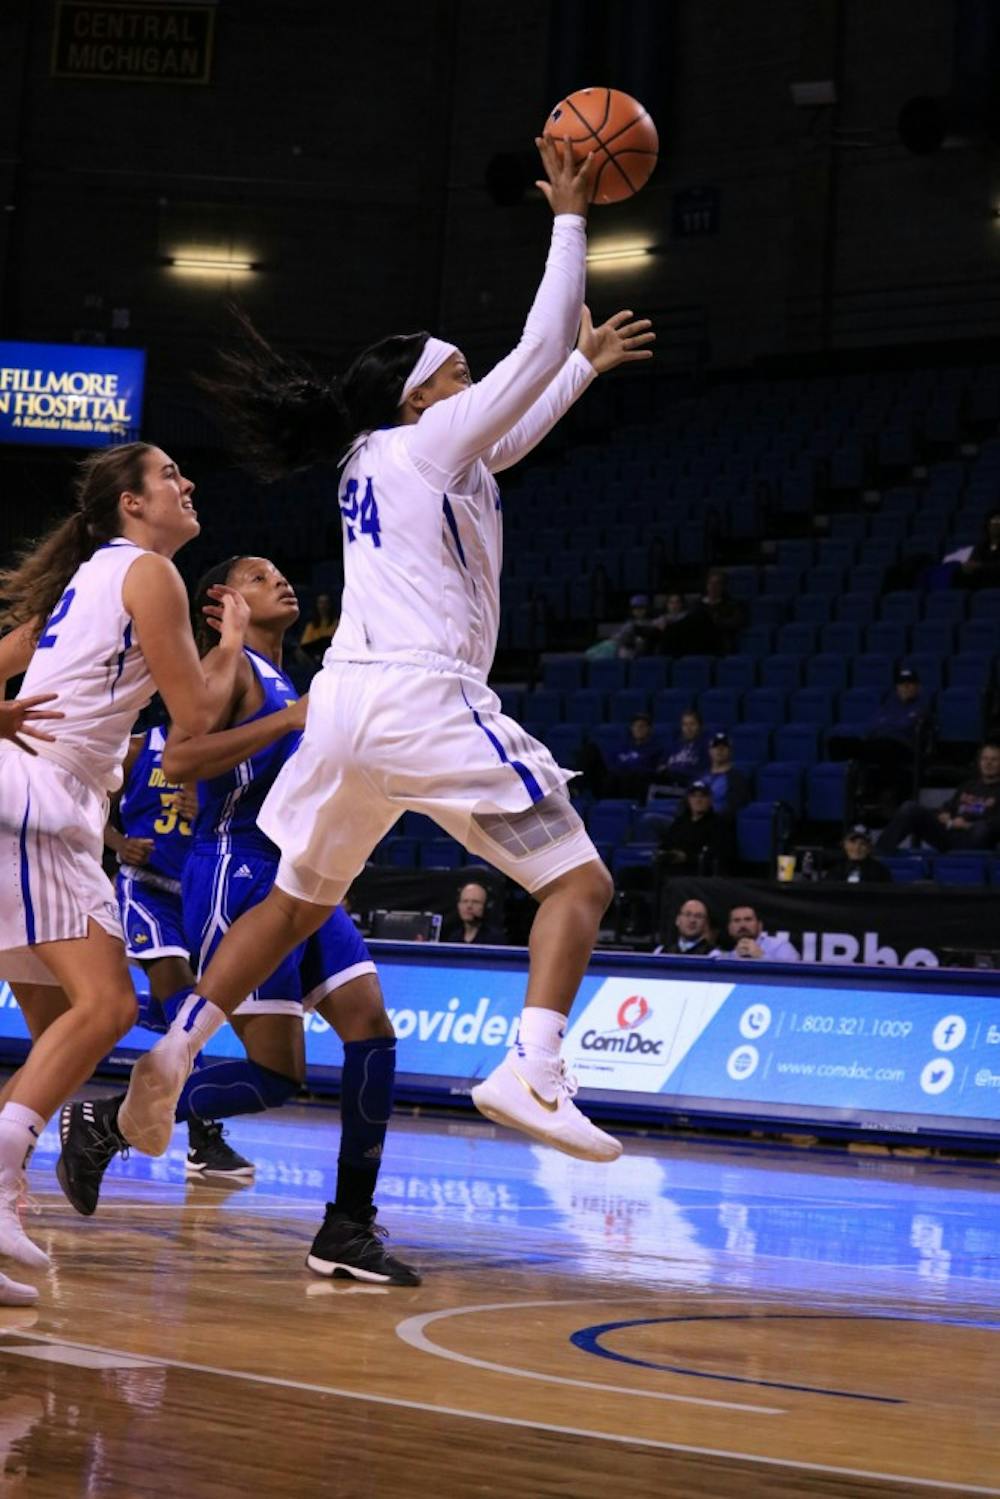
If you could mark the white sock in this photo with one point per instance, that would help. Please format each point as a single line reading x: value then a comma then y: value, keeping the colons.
x: 540, y: 1032
x: 195, y: 1023
x: 20, y: 1128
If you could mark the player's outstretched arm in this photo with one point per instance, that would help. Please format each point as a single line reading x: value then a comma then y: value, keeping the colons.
x: 201, y: 756
x: 620, y: 340
x: 196, y: 695
x: 452, y: 434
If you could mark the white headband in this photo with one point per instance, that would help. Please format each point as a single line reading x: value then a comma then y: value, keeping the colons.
x: 432, y: 356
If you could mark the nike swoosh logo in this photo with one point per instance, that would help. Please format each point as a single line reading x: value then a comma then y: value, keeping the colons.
x: 550, y: 1105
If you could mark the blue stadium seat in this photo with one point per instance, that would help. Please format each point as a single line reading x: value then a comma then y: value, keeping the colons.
x: 441, y: 853
x: 795, y: 552
x: 838, y: 552
x: 824, y: 580
x: 855, y: 608
x: 828, y: 669
x: 399, y: 853
x: 947, y: 605
x: 607, y: 674
x: 720, y: 707
x: 649, y: 673
x: 985, y: 604
x: 768, y: 610
x: 512, y: 701
x: 900, y: 608
x: 784, y: 672
x: 970, y: 669
x: 626, y: 703
x: 609, y: 821
x: 736, y: 671
x: 668, y: 705
x: 764, y: 705
x: 781, y: 781
x: 929, y: 667
x: 755, y: 833
x: 979, y: 635
x: 798, y: 742
x: 562, y: 673
x: 693, y: 673
x: 959, y: 715
x: 813, y: 608
x: 887, y: 637
x: 872, y: 671
x: 811, y: 705
x: 966, y: 868
x: 933, y: 635
x: 633, y: 856
x: 608, y: 737
x: 905, y: 868
x: 796, y: 639
x: 416, y: 825
x: 858, y: 705
x: 780, y: 582
x: 544, y: 706
x: 564, y: 741
x: 751, y: 743
x: 867, y: 577
x: 826, y: 792
x: 757, y: 641
x: 586, y: 705
x: 842, y: 638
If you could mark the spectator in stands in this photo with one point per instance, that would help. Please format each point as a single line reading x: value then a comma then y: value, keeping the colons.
x: 471, y: 920
x: 749, y: 940
x: 729, y: 787
x: 639, y: 635
x: 969, y: 819
x: 678, y: 630
x: 630, y: 770
x: 889, y: 751
x: 725, y: 615
x: 981, y: 569
x: 319, y: 627
x: 698, y: 839
x: 687, y: 758
x: 857, y: 865
x: 694, y: 936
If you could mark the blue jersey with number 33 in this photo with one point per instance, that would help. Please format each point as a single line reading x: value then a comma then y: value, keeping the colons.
x: 149, y: 809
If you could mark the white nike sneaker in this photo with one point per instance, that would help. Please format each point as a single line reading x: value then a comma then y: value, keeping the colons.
x: 13, y: 1239
x: 15, y: 1293
x: 146, y: 1116
x: 536, y: 1096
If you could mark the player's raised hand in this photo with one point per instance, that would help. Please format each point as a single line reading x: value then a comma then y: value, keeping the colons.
x: 621, y: 340
x: 568, y: 187
x: 19, y: 716
x: 229, y: 613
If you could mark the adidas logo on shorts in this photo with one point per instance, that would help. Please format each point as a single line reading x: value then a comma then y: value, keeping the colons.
x: 243, y: 873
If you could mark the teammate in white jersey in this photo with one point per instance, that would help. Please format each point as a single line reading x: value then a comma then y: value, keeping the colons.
x: 401, y: 717
x: 101, y: 619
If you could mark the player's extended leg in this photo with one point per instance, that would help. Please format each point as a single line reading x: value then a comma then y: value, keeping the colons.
x: 251, y: 950
x: 349, y: 1241
x: 94, y: 977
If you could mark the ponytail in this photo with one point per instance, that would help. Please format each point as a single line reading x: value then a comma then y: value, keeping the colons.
x: 281, y: 415
x: 31, y: 588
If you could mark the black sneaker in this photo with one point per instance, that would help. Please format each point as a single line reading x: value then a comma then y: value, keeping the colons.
x: 90, y: 1143
x: 209, y: 1154
x: 353, y: 1247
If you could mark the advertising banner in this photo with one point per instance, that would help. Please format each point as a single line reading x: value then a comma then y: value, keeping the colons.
x: 70, y: 395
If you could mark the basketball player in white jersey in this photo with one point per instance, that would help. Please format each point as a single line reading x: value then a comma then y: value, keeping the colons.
x: 101, y: 620
x: 401, y: 717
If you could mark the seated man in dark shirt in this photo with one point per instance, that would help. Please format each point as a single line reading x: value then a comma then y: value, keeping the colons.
x: 857, y: 864
x: 686, y: 758
x: 888, y: 751
x: 471, y: 920
x: 729, y: 787
x: 694, y: 936
x: 632, y: 769
x: 697, y: 840
x: 969, y: 819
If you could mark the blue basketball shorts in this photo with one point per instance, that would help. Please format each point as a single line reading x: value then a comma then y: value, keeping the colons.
x: 333, y: 956
x: 152, y: 916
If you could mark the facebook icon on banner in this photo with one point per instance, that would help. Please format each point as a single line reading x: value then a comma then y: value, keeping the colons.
x: 949, y: 1033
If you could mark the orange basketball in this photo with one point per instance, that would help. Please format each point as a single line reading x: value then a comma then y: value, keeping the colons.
x: 619, y: 132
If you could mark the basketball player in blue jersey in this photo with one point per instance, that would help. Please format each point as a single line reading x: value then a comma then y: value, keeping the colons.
x: 401, y: 716
x: 100, y: 617
x: 231, y: 868
x: 152, y: 845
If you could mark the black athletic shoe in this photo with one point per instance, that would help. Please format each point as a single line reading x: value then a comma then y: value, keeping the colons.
x: 209, y: 1154
x: 90, y: 1143
x: 353, y: 1247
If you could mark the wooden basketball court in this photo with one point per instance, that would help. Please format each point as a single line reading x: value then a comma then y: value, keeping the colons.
x: 697, y: 1319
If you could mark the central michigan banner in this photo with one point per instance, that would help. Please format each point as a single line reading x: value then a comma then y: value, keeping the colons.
x: 71, y: 395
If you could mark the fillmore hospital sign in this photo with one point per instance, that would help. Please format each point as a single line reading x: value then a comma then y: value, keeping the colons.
x: 73, y: 395
x: 146, y: 42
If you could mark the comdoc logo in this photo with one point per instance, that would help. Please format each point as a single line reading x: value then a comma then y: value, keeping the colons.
x: 625, y: 1038
x: 633, y: 1011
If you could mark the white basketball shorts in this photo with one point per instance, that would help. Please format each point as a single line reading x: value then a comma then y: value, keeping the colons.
x: 382, y: 738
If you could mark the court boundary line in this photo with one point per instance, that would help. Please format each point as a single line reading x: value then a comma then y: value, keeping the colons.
x: 684, y: 1448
